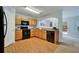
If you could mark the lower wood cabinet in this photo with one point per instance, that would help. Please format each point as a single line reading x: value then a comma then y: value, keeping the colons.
x: 32, y: 33
x: 50, y: 36
x: 18, y: 35
x: 42, y: 34
x: 38, y: 33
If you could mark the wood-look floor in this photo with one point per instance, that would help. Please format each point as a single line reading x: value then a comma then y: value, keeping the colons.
x: 32, y: 45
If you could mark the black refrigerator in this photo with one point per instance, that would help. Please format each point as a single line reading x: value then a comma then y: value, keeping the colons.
x: 2, y: 26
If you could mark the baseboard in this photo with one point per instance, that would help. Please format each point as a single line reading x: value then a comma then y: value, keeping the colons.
x: 5, y: 45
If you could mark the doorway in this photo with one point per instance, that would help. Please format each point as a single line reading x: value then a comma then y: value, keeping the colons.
x: 65, y: 28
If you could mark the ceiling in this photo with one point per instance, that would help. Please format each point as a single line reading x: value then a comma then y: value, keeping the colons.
x: 46, y: 10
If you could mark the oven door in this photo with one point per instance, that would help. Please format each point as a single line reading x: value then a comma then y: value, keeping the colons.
x: 26, y: 34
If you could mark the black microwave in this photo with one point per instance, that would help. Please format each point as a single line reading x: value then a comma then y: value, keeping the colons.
x: 24, y: 22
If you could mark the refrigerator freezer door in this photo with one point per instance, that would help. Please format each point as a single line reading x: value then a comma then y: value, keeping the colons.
x: 1, y: 31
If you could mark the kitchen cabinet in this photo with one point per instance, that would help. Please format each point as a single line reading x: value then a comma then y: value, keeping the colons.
x: 38, y: 33
x: 18, y: 20
x: 41, y: 34
x: 33, y: 32
x: 18, y: 35
x: 32, y: 21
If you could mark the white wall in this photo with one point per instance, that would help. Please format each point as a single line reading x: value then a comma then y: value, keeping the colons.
x: 72, y: 17
x: 73, y: 24
x: 10, y: 37
x: 70, y: 12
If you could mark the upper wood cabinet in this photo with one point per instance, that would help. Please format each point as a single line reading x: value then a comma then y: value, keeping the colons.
x: 18, y: 20
x: 32, y: 21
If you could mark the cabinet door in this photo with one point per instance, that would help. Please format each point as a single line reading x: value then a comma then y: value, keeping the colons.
x: 18, y: 20
x: 37, y: 33
x: 18, y: 34
x: 43, y: 34
x: 32, y: 21
x: 32, y: 33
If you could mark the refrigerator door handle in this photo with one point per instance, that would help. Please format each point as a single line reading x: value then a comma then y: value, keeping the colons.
x: 5, y: 24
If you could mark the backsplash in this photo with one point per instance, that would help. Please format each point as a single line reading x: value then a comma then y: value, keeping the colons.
x: 29, y: 26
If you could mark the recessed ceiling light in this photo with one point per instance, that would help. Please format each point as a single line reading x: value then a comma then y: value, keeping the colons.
x: 32, y: 9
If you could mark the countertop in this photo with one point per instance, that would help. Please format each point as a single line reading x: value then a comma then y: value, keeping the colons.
x: 47, y: 29
x: 50, y: 29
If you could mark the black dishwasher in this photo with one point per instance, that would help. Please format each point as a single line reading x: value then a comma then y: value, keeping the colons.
x: 50, y: 36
